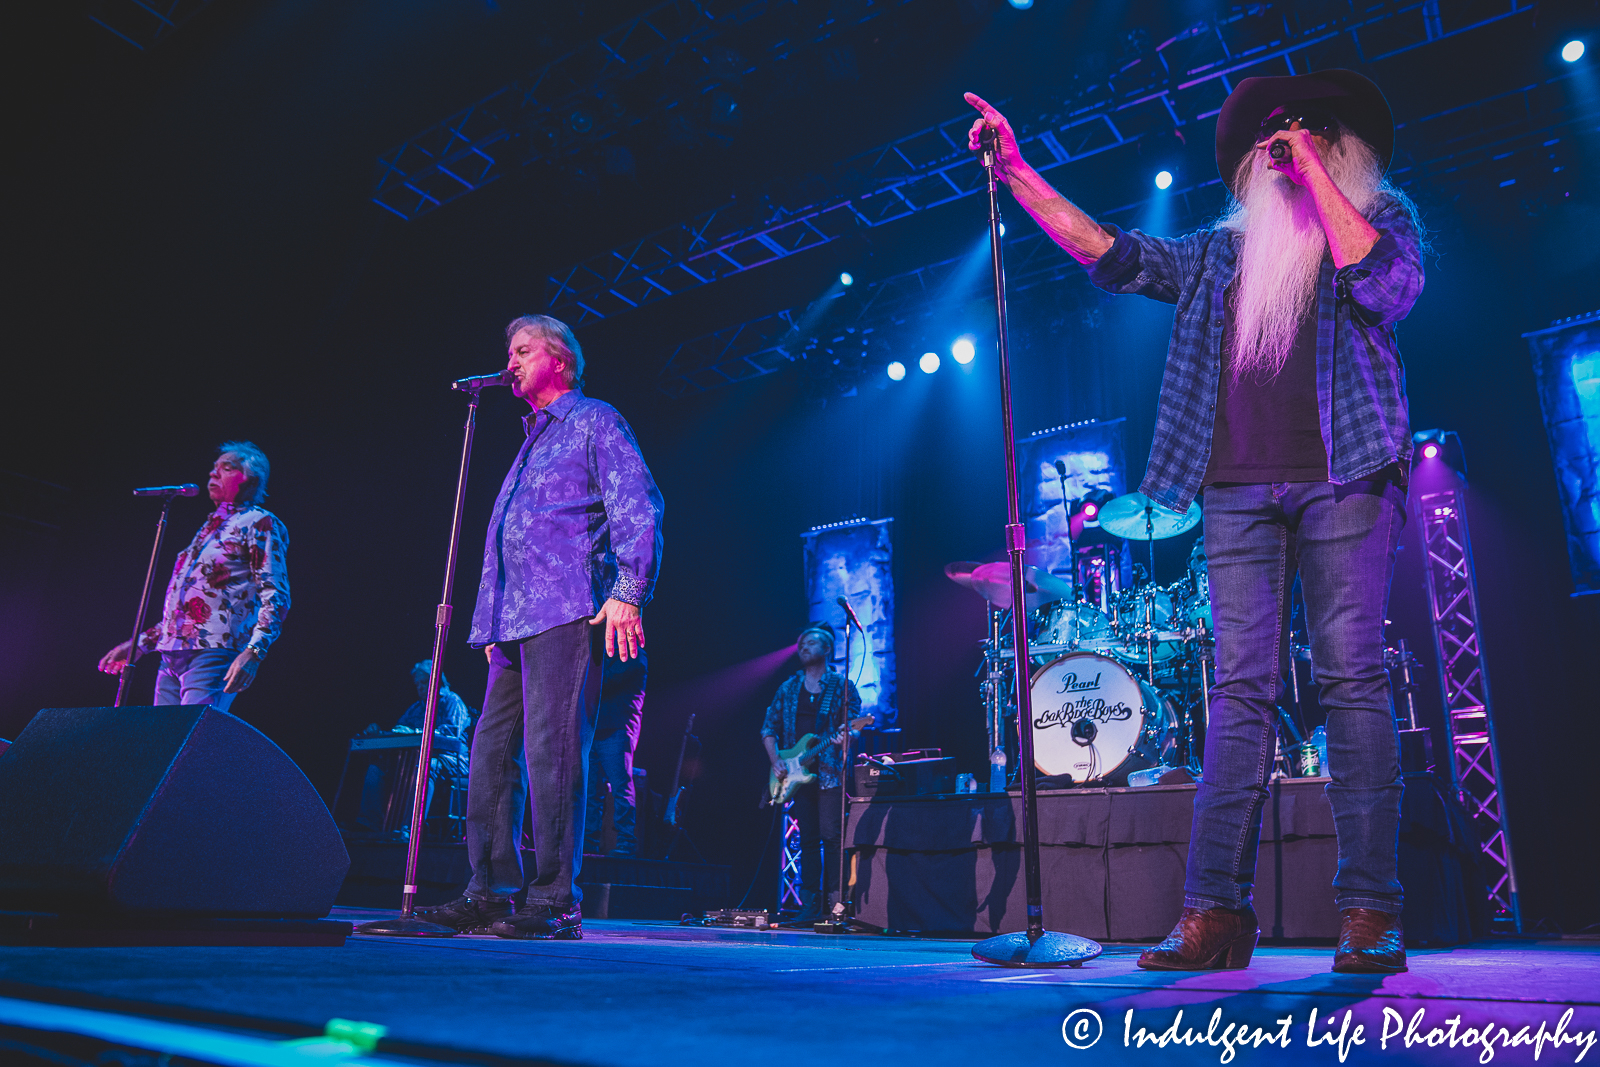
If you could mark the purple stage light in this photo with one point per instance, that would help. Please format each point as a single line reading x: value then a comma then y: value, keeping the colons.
x: 1430, y: 451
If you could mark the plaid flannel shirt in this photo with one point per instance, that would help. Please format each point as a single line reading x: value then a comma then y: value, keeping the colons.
x: 840, y: 703
x: 1361, y: 391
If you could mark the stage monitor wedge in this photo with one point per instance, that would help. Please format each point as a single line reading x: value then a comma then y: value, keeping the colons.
x: 161, y: 810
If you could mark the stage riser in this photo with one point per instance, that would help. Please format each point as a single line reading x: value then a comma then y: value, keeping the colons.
x: 1112, y: 863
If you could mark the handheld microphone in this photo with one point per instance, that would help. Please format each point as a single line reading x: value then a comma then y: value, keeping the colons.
x: 482, y: 381
x: 1279, y: 150
x: 850, y: 611
x: 189, y: 489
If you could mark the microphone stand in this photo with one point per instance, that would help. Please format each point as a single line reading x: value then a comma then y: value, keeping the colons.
x: 1034, y: 947
x: 144, y: 599
x: 407, y: 925
x: 840, y: 920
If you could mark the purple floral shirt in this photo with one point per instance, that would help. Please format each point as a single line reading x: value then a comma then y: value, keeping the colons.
x: 229, y: 588
x: 577, y: 521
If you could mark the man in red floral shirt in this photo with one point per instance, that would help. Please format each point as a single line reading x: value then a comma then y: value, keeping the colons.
x: 228, y: 595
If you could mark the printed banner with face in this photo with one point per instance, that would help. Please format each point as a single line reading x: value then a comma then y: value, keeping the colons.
x: 854, y: 562
x: 1058, y: 468
x: 1566, y: 366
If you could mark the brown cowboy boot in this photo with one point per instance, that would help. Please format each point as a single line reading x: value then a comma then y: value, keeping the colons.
x: 1206, y: 939
x: 1370, y: 942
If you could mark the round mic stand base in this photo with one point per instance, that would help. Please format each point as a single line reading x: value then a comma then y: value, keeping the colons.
x: 1050, y: 950
x: 404, y: 927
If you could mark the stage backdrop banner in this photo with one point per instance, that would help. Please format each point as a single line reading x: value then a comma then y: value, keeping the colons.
x: 1566, y: 366
x: 1092, y: 454
x: 854, y: 560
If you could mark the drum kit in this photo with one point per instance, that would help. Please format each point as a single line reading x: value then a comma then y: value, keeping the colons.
x: 1120, y: 679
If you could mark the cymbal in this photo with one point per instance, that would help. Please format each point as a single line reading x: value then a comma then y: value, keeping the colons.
x: 992, y: 581
x: 1127, y: 516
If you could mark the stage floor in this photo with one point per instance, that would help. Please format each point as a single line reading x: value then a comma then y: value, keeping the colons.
x: 657, y: 993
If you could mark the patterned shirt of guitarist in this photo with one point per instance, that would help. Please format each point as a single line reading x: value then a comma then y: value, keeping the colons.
x: 840, y: 703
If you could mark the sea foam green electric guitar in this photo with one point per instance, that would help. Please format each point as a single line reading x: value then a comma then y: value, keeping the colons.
x: 794, y: 770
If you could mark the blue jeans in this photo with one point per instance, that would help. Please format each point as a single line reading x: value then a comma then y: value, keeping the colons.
x: 532, y: 746
x: 612, y: 763
x: 195, y: 677
x: 1341, y: 539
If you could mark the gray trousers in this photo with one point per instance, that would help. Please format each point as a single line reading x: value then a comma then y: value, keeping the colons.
x: 532, y: 746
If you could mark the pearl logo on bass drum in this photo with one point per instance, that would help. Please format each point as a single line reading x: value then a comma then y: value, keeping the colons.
x: 1092, y: 716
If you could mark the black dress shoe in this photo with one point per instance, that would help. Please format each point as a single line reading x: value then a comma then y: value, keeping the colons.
x: 1370, y: 942
x: 546, y: 923
x: 1206, y: 939
x: 466, y: 915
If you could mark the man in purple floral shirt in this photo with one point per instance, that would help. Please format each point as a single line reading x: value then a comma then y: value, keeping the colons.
x: 572, y: 554
x: 228, y: 595
x: 1284, y: 403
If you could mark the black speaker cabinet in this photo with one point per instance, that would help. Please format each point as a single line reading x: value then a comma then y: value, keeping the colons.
x: 162, y: 810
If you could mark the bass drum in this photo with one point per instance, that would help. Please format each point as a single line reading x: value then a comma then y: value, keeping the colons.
x: 1093, y: 721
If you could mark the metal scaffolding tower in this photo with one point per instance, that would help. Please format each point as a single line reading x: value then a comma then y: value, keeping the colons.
x: 789, y: 861
x: 1464, y: 684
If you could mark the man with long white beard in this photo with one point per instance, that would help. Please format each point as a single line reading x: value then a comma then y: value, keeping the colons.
x: 1284, y: 403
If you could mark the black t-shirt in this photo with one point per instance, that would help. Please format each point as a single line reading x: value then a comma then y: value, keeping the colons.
x: 805, y: 716
x: 1268, y: 430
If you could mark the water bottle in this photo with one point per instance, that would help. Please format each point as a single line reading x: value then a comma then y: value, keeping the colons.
x: 1319, y: 738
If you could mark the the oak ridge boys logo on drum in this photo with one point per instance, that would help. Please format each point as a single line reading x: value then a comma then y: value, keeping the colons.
x: 1092, y: 707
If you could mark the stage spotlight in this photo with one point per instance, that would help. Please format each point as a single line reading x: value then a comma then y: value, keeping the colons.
x: 962, y: 350
x: 1164, y: 180
x: 1021, y: 5
x: 847, y: 279
x: 1091, y: 510
x: 897, y: 371
x: 1002, y: 229
x: 1430, y: 450
x: 1572, y: 51
x: 929, y: 362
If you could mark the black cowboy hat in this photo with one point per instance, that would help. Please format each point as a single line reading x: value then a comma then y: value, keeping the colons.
x: 1353, y: 97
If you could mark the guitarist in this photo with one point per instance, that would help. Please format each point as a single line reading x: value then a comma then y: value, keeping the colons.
x: 814, y: 700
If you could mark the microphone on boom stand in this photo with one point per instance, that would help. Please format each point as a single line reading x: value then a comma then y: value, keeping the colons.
x: 482, y: 381
x: 188, y: 489
x: 1035, y: 946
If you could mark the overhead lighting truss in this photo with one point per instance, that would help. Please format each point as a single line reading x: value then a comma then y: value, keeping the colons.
x: 575, y: 102
x: 143, y: 23
x: 1504, y: 140
x: 1185, y: 81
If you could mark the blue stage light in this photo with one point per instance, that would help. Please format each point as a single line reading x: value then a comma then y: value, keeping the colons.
x: 1164, y: 180
x: 1002, y: 229
x: 847, y: 278
x: 962, y: 350
x: 929, y: 362
x: 897, y: 371
x: 1021, y: 5
x: 1572, y: 51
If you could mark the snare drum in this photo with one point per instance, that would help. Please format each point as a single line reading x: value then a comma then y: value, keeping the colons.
x: 1093, y: 719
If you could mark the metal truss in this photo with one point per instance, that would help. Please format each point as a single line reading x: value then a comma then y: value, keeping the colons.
x: 1464, y: 681
x: 1503, y: 140
x: 143, y: 23
x: 789, y: 897
x: 1185, y: 80
x: 594, y: 92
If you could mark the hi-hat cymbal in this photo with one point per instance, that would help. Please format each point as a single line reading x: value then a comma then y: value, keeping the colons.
x: 992, y: 581
x: 1136, y: 517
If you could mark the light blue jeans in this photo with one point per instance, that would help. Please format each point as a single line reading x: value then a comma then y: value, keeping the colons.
x: 1341, y: 540
x: 195, y: 677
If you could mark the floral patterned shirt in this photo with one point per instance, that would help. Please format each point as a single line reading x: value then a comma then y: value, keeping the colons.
x: 229, y: 588
x: 577, y: 521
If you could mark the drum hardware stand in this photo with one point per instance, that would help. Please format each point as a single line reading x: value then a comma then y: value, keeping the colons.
x: 993, y: 670
x: 407, y: 925
x: 840, y: 919
x: 144, y: 597
x: 1034, y: 947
